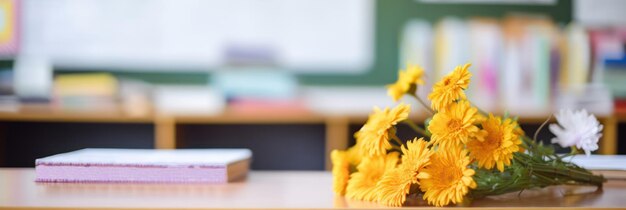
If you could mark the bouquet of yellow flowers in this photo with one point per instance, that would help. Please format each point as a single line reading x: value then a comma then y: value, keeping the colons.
x: 462, y: 152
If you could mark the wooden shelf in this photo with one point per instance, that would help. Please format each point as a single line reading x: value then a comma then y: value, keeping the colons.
x: 45, y: 113
x: 620, y: 116
x: 258, y: 118
x: 97, y: 118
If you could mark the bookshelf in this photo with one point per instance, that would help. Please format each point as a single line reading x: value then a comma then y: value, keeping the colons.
x: 170, y: 132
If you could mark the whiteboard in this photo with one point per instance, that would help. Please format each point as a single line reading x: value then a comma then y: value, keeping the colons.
x: 600, y: 13
x: 314, y: 36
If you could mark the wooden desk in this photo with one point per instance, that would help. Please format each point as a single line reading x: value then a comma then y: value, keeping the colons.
x: 262, y: 190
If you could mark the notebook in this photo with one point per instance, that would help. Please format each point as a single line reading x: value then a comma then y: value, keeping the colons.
x: 145, y: 165
x: 611, y: 166
x: 600, y: 162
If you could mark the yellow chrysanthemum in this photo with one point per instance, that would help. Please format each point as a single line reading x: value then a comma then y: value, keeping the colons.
x: 393, y: 187
x: 354, y: 156
x: 516, y: 128
x: 395, y: 184
x: 447, y: 179
x: 501, y: 142
x: 406, y: 79
x: 341, y: 171
x: 373, y: 138
x: 450, y: 88
x: 362, y: 184
x: 455, y: 126
x: 518, y: 131
x: 416, y: 156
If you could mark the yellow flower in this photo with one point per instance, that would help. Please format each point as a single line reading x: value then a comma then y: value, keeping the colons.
x: 395, y: 184
x: 450, y: 88
x: 341, y: 171
x: 416, y: 156
x: 455, y: 126
x: 354, y: 156
x: 407, y: 80
x: 447, y: 179
x: 373, y: 138
x: 517, y: 129
x: 501, y: 142
x: 393, y: 187
x: 362, y: 184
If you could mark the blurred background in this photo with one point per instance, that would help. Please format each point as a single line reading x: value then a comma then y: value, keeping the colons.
x: 291, y: 80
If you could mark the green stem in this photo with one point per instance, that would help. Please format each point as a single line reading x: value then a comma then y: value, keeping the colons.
x: 430, y: 110
x: 416, y: 128
x: 538, y: 168
x: 573, y: 150
x: 566, y: 173
x: 396, y: 148
x: 541, y: 127
x: 574, y: 174
x: 397, y: 140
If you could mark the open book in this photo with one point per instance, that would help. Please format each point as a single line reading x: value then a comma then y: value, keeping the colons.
x: 145, y: 165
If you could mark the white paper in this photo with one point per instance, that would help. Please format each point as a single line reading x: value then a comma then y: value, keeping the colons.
x: 601, y: 162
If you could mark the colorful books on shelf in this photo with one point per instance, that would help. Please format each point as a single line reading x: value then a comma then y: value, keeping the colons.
x: 522, y: 64
x: 145, y: 166
x: 86, y: 92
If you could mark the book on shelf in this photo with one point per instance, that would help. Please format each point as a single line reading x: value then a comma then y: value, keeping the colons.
x: 522, y: 64
x: 145, y: 166
x: 85, y: 92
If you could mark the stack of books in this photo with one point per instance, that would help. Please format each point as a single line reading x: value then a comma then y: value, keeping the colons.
x: 86, y: 92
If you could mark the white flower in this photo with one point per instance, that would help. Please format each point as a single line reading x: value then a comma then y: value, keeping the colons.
x: 577, y: 128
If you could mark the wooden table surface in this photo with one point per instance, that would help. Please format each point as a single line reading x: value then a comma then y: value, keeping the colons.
x: 261, y: 190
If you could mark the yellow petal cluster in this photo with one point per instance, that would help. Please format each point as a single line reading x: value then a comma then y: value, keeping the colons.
x: 501, y: 142
x: 373, y: 137
x: 450, y: 88
x: 395, y: 184
x: 393, y: 187
x: 406, y: 80
x: 447, y: 179
x: 416, y: 156
x: 362, y: 184
x: 354, y: 156
x: 341, y: 171
x: 456, y: 126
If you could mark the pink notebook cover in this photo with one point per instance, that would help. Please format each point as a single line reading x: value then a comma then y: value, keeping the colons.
x: 144, y: 165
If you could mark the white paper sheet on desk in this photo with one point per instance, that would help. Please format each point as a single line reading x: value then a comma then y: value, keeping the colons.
x: 601, y: 162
